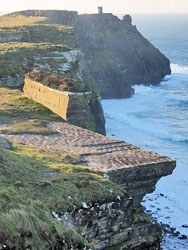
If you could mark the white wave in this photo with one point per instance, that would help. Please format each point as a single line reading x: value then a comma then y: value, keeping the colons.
x: 154, y: 128
x: 176, y: 68
x: 141, y: 88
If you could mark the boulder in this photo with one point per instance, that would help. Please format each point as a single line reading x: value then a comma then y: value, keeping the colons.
x: 4, y: 143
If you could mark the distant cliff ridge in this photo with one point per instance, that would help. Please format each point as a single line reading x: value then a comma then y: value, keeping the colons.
x: 117, y: 55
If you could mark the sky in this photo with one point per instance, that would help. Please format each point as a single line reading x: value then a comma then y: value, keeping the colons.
x: 90, y: 6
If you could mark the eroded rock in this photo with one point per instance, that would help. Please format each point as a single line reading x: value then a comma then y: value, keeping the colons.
x: 4, y: 143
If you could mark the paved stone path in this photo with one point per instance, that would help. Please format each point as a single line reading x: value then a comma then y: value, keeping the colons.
x: 101, y: 152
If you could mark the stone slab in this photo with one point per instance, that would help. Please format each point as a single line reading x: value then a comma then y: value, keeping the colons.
x: 102, y: 153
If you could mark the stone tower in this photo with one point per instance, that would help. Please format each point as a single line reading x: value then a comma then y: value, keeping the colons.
x: 100, y: 10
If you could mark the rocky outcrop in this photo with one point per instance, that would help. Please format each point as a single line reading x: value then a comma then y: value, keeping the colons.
x: 118, y: 56
x: 40, y: 34
x: 17, y: 59
x: 109, y: 222
x: 14, y: 36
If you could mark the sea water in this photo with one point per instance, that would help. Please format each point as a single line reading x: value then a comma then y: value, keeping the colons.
x: 156, y: 118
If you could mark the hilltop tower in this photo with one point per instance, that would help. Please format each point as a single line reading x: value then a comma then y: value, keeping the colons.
x: 100, y: 10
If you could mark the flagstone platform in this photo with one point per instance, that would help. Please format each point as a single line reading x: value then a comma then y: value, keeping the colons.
x: 135, y: 169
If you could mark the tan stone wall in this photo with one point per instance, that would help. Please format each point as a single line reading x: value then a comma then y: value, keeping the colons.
x: 72, y: 107
x: 54, y: 100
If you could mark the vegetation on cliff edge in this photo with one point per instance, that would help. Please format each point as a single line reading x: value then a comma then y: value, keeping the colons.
x: 23, y: 115
x: 38, y: 183
x: 61, y: 82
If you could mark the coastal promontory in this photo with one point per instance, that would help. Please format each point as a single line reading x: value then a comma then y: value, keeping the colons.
x: 64, y: 184
x: 116, y: 54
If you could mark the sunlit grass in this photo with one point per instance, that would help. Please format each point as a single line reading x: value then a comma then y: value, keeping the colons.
x: 8, y: 21
x: 15, y: 107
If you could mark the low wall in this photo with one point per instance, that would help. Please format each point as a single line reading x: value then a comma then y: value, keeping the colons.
x: 72, y: 107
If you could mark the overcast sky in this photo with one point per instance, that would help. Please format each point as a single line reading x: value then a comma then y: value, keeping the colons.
x: 90, y: 6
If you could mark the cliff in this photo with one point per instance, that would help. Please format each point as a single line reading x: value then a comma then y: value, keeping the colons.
x: 117, y: 55
x: 27, y: 42
x: 72, y: 188
x: 65, y: 187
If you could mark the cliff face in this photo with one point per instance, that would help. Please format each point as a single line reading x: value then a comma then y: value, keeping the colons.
x: 117, y: 55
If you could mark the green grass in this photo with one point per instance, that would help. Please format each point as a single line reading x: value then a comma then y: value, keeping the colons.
x: 18, y: 21
x: 15, y: 107
x: 51, y: 33
x: 33, y: 183
x: 29, y: 127
x: 37, y: 29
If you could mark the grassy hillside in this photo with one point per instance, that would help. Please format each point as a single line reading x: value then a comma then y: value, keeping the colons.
x: 34, y: 187
x: 12, y: 21
x: 18, y: 22
x: 36, y: 29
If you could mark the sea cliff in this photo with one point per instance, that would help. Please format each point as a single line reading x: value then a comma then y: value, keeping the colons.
x: 116, y: 54
x: 73, y: 188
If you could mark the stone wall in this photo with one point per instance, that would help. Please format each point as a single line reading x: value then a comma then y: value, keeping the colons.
x: 72, y: 107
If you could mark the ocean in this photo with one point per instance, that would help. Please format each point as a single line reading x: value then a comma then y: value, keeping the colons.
x: 156, y: 118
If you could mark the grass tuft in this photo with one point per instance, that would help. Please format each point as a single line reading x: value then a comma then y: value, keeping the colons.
x: 16, y: 108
